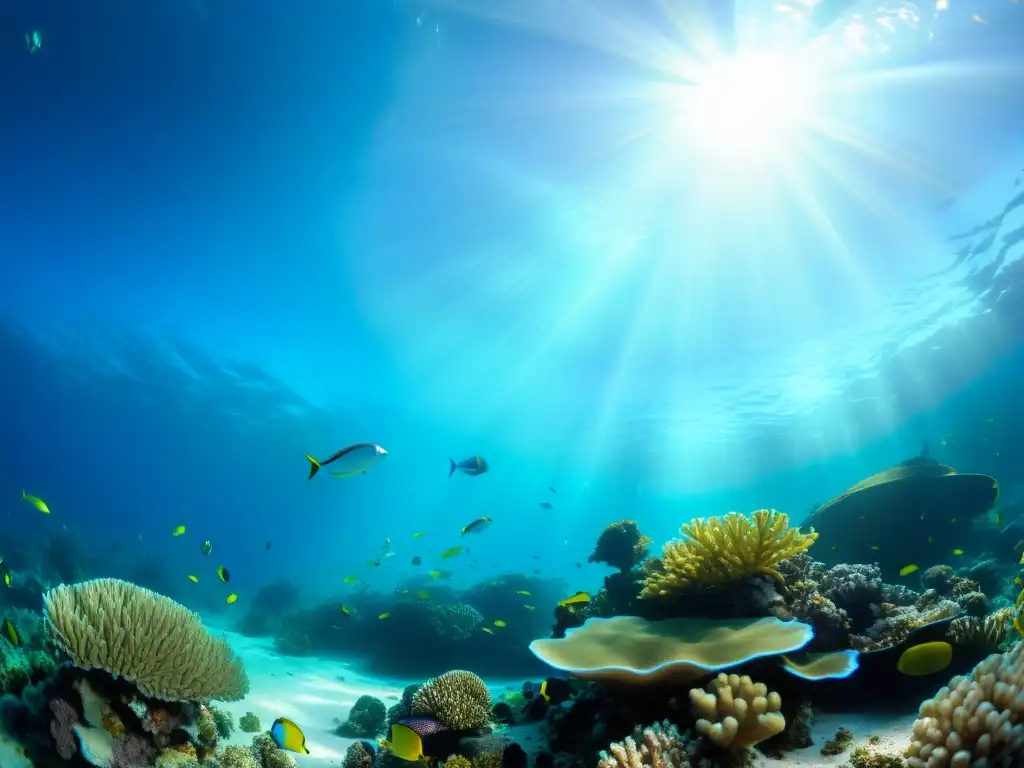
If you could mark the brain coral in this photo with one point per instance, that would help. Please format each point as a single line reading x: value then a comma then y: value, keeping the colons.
x: 146, y: 638
x: 458, y: 699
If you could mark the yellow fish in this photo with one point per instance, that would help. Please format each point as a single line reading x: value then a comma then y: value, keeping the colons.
x: 6, y: 573
x: 418, y: 534
x: 351, y: 579
x: 488, y: 630
x: 530, y: 607
x: 906, y: 570
x: 958, y: 552
x: 384, y: 615
x: 222, y: 574
x: 925, y: 659
x: 193, y: 578
x: 524, y: 593
x: 451, y: 552
x: 1017, y: 580
x: 36, y: 502
x: 435, y: 574
x: 406, y: 744
x: 423, y: 595
x: 11, y: 633
x: 345, y: 610
x: 288, y: 736
x: 874, y: 546
x: 178, y: 531
x: 580, y: 598
x: 500, y: 623
x: 231, y: 598
x: 999, y: 519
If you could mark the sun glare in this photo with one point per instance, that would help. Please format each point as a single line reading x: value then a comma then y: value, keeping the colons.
x: 747, y: 104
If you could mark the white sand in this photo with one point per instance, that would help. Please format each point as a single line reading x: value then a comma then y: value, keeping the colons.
x: 318, y: 693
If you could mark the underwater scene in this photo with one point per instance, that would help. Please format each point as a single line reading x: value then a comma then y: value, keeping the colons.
x: 512, y: 384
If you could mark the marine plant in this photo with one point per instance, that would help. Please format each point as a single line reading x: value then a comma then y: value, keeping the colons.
x: 620, y: 545
x: 366, y: 718
x: 734, y: 712
x: 146, y: 638
x: 718, y: 550
x: 459, y: 700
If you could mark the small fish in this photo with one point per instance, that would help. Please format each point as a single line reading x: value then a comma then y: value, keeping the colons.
x: 193, y: 578
x: 206, y: 548
x: 953, y: 521
x: 925, y: 658
x: 922, y: 515
x: 835, y: 547
x: 179, y: 531
x: 906, y: 570
x: 268, y: 545
x: 931, y: 540
x: 402, y: 591
x: 423, y: 595
x: 417, y: 561
x: 36, y: 502
x: 232, y: 598
x: 435, y: 574
x: 554, y: 690
x: 552, y: 489
x: 33, y: 40
x: 473, y: 466
x: 373, y: 563
x: 5, y: 571
x: 975, y: 17
x: 874, y: 546
x: 353, y: 460
x: 451, y: 552
x: 11, y: 633
x: 384, y: 615
x: 418, y: 534
x: 488, y: 630
x: 530, y: 607
x: 580, y: 598
x: 406, y: 742
x: 546, y: 505
x: 524, y: 593
x: 958, y: 552
x: 351, y: 579
x: 500, y: 623
x: 222, y: 574
x: 999, y: 519
x: 579, y: 565
x: 479, y: 525
x: 345, y: 610
x: 288, y: 736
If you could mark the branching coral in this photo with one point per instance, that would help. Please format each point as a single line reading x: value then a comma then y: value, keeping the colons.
x: 718, y: 550
x: 736, y: 712
x: 458, y: 699
x: 146, y: 638
x: 977, y: 720
x: 620, y: 545
x: 659, y: 746
x: 455, y: 621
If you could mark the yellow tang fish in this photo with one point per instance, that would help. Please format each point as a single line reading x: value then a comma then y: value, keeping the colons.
x: 11, y: 633
x: 232, y: 598
x: 530, y: 607
x: 524, y: 593
x: 178, y: 531
x: 958, y: 552
x: 580, y: 598
x: 351, y: 579
x: 36, y: 502
x: 500, y: 623
x: 418, y: 534
x: 906, y: 570
x: 193, y: 578
x: 925, y: 659
x: 384, y: 615
x: 451, y: 552
x: 488, y: 630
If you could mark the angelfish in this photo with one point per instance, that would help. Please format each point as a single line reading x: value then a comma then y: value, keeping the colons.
x: 354, y: 460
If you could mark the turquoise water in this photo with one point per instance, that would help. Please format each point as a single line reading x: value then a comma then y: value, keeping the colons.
x: 233, y: 234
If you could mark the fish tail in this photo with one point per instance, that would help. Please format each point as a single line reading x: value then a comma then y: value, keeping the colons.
x: 452, y: 468
x: 314, y: 466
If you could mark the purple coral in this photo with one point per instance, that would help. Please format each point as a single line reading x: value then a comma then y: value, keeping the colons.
x: 132, y: 752
x: 64, y: 717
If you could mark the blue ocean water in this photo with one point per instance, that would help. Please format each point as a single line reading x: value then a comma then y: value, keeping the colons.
x: 236, y: 233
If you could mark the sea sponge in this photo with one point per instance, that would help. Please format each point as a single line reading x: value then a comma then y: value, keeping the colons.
x: 146, y: 638
x: 454, y: 621
x: 620, y: 545
x: 629, y: 649
x: 976, y: 720
x: 458, y: 699
x: 722, y: 549
x: 238, y: 757
x: 735, y: 712
x: 659, y: 746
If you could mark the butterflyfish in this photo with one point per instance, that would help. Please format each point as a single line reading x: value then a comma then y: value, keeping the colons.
x: 407, y: 737
x: 193, y: 578
x: 925, y: 658
x: 178, y: 531
x: 288, y: 736
x: 353, y: 460
x: 580, y: 598
x: 36, y: 502
x: 473, y: 466
x: 451, y: 552
x: 11, y: 633
x: 479, y: 525
x: 232, y: 598
x: 222, y: 574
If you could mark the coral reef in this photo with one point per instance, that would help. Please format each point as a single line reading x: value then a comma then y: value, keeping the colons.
x: 249, y: 723
x: 366, y: 719
x: 620, y: 545
x: 360, y: 755
x: 722, y: 549
x: 735, y: 712
x: 658, y: 746
x: 458, y: 699
x: 159, y: 645
x: 456, y: 621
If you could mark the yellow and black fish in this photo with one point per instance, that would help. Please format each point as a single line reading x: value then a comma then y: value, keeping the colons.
x: 288, y: 736
x: 206, y: 547
x: 580, y: 598
x: 418, y: 739
x: 222, y: 574
x: 11, y: 633
x: 554, y: 690
x: 353, y: 460
x: 479, y: 525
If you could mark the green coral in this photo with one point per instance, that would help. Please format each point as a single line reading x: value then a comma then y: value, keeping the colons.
x: 459, y: 700
x: 249, y: 723
x: 267, y: 755
x: 172, y: 758
x: 366, y: 719
x: 206, y: 728
x: 224, y: 722
x: 238, y: 757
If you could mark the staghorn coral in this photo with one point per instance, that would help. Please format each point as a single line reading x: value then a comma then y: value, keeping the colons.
x: 366, y: 719
x: 976, y: 720
x: 722, y: 549
x: 458, y: 699
x: 735, y: 712
x: 455, y: 621
x: 360, y: 755
x: 659, y: 746
x: 146, y: 638
x: 620, y: 545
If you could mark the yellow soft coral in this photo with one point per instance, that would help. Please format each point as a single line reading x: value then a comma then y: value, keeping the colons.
x: 722, y: 549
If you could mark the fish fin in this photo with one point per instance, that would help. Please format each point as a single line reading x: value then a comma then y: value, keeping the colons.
x: 314, y: 466
x: 452, y: 468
